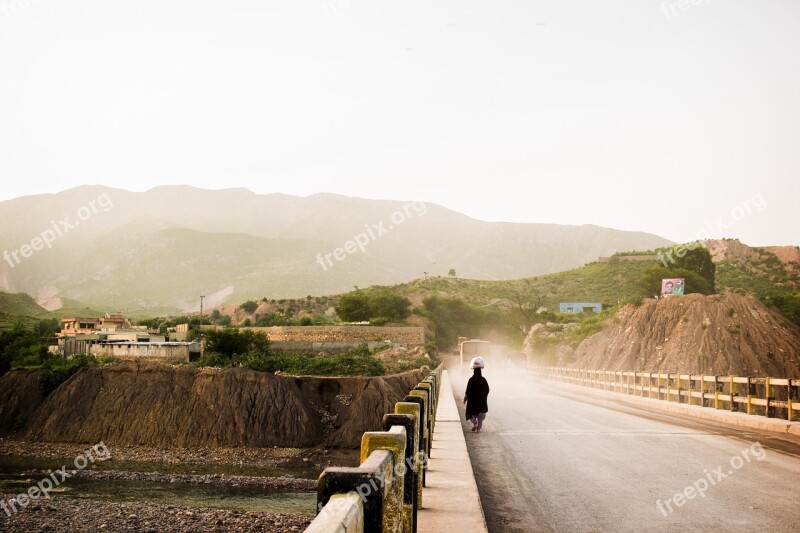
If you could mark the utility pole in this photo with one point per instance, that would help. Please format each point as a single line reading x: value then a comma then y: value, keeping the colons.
x: 201, y: 304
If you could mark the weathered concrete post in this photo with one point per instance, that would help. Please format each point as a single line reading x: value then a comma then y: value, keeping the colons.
x: 344, y: 512
x: 408, y: 471
x: 426, y: 409
x: 413, y: 405
x: 393, y: 441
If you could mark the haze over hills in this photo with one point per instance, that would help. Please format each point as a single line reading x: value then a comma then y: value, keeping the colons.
x: 159, y: 250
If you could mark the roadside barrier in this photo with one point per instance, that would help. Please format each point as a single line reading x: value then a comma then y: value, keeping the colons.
x: 770, y: 397
x: 384, y: 492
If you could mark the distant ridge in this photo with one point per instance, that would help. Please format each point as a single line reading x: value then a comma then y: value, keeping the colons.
x: 159, y: 250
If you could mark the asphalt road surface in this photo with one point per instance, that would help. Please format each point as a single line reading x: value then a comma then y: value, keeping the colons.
x: 549, y: 459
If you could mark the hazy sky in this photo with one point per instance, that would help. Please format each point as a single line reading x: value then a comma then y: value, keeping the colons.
x: 632, y: 114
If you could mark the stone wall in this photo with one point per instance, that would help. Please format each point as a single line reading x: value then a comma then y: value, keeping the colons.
x: 408, y: 336
x: 171, y: 352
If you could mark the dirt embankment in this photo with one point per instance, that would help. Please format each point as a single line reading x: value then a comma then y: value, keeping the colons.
x: 19, y: 397
x: 721, y: 334
x: 158, y: 405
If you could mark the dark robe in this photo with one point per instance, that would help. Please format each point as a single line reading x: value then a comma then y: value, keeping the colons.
x: 476, y: 394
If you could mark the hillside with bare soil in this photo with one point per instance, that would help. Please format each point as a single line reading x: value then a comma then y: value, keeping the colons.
x: 159, y: 405
x: 719, y: 334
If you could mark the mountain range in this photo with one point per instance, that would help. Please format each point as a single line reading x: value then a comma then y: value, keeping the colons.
x: 158, y: 251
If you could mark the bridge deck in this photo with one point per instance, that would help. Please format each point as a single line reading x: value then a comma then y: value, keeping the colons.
x: 451, y: 501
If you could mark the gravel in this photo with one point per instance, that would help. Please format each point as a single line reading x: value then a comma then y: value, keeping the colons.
x: 59, y: 515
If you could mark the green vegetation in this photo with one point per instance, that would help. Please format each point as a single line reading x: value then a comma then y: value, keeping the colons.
x: 232, y: 347
x: 25, y: 344
x: 25, y: 347
x: 650, y: 282
x: 230, y: 343
x: 610, y: 283
x: 248, y: 349
x: 58, y: 369
x: 571, y: 331
x: 249, y: 307
x: 788, y: 304
x: 379, y: 304
x: 766, y: 278
x: 357, y: 362
x: 693, y: 264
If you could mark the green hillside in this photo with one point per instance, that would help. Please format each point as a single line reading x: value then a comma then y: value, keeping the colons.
x: 15, y: 306
x: 609, y: 283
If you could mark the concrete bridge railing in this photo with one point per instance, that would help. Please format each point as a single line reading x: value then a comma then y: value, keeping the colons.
x: 384, y: 492
x: 765, y: 396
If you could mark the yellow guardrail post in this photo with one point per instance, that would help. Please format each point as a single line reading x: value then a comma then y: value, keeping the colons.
x: 427, y: 410
x: 394, y: 441
x: 415, y: 410
x: 770, y: 411
x: 428, y: 390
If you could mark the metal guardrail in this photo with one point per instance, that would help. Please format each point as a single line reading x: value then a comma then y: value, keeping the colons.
x: 384, y: 492
x: 770, y: 397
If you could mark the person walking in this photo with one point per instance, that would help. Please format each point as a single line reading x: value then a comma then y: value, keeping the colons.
x: 476, y: 395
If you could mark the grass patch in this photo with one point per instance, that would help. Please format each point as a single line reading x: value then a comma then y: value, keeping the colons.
x: 359, y: 361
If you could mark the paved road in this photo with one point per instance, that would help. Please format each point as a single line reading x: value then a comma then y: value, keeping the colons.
x: 548, y: 460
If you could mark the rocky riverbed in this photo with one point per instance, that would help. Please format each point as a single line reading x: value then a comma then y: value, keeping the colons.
x: 62, y: 515
x: 237, y: 458
x: 276, y: 470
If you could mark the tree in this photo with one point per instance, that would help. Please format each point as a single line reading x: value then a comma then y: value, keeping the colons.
x: 452, y: 318
x: 249, y: 306
x: 25, y: 346
x: 524, y: 301
x: 232, y: 342
x: 452, y: 272
x: 360, y: 306
x: 697, y: 259
x: 386, y: 304
x: 353, y: 307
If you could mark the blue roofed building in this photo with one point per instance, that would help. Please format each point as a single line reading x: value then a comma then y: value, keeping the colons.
x: 581, y: 307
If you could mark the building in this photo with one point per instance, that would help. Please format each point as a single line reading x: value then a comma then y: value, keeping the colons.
x: 581, y: 307
x: 170, y: 352
x: 81, y: 334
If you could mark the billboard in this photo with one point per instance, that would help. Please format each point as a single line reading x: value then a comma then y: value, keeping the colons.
x: 672, y: 286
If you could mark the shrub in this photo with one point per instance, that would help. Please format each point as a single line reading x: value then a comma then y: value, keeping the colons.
x: 58, y: 370
x: 249, y: 306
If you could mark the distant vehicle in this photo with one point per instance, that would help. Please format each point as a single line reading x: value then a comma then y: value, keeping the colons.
x: 474, y: 348
x: 516, y: 360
